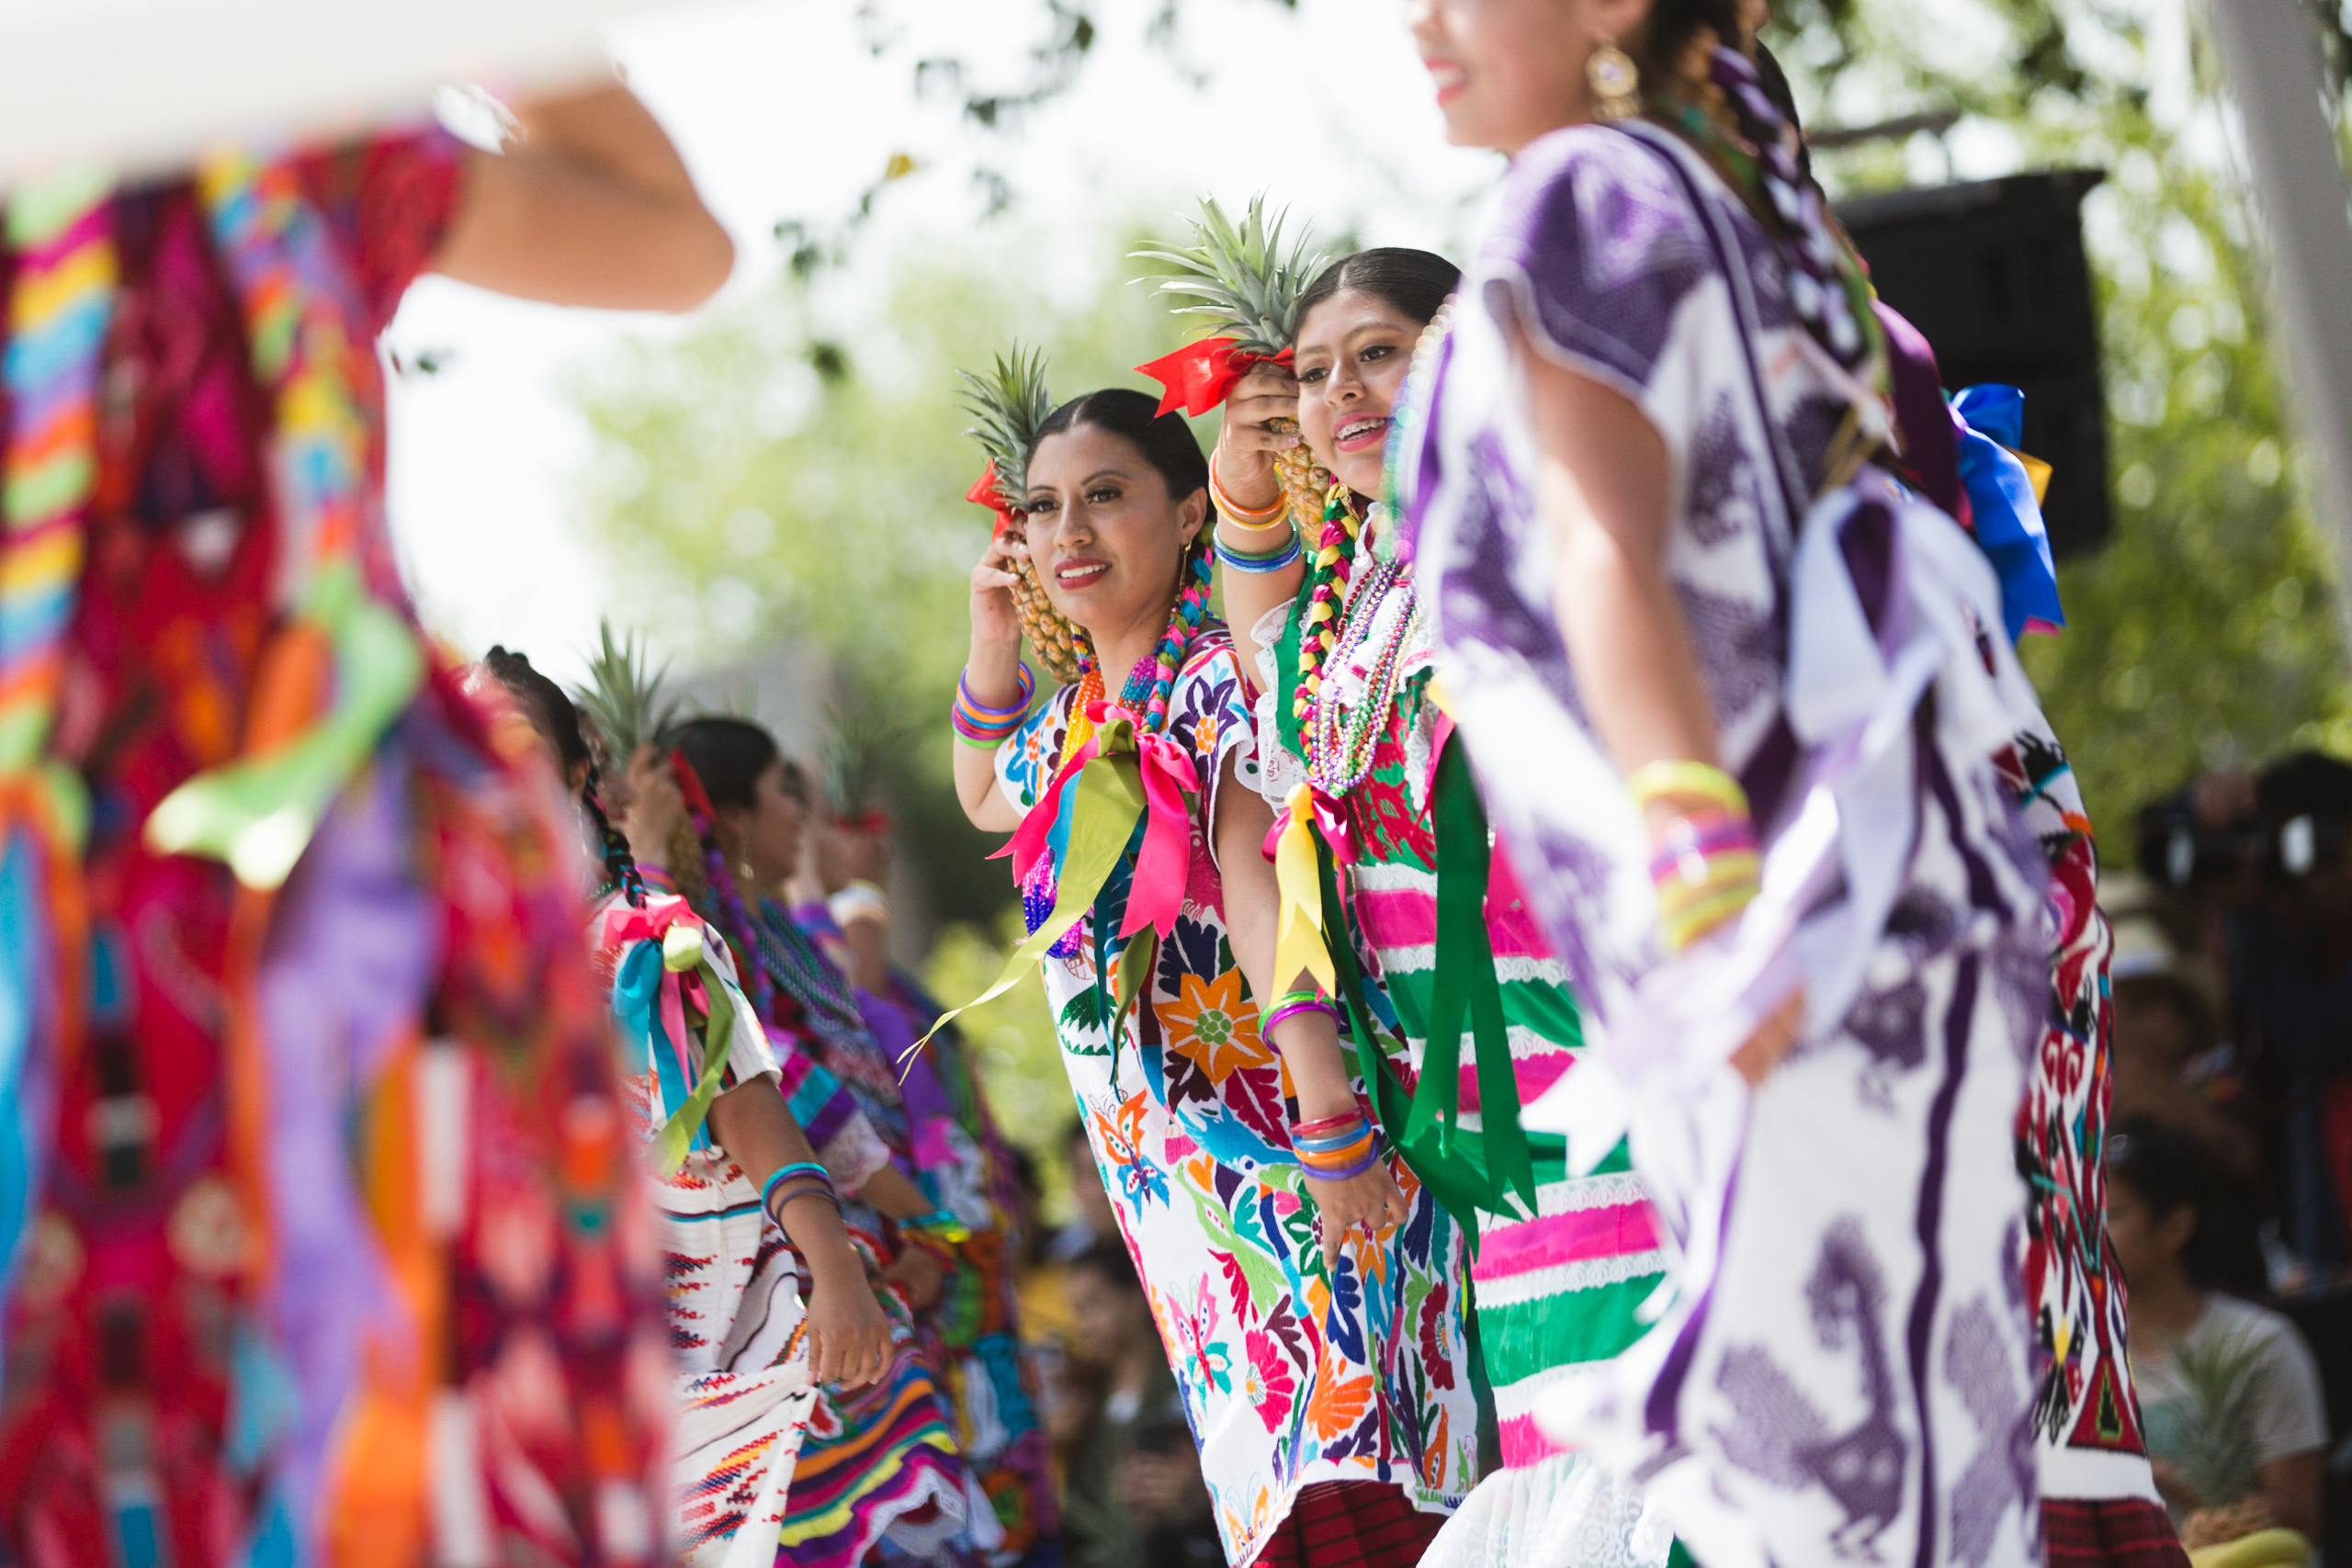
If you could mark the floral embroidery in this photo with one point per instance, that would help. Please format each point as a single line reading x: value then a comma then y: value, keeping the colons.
x: 1268, y: 1384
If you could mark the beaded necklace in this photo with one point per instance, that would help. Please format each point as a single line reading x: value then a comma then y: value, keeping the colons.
x: 1340, y: 736
x: 1183, y: 624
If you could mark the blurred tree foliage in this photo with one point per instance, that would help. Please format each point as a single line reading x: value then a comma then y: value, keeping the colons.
x: 2205, y: 631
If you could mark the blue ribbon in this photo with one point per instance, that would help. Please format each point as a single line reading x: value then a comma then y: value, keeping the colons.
x: 1988, y: 425
x: 637, y: 1003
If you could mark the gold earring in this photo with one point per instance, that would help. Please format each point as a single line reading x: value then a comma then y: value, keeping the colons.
x: 1615, y: 81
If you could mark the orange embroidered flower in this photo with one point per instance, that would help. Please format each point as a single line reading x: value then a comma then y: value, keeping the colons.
x: 1340, y: 1401
x: 1211, y: 1024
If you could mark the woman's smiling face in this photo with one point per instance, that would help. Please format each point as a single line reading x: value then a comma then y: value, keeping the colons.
x: 1355, y: 349
x: 1105, y: 535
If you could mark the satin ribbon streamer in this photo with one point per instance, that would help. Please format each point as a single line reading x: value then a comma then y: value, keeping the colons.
x: 1302, y: 945
x: 666, y: 943
x: 2005, y: 488
x: 1464, y: 985
x: 1199, y: 375
x: 989, y: 491
x: 1104, y: 780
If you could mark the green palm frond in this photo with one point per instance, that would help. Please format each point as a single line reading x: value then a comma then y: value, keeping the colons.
x: 624, y: 695
x: 1242, y: 277
x: 1009, y: 402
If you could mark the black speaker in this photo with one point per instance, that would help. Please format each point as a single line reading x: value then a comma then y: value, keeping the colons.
x: 1993, y: 273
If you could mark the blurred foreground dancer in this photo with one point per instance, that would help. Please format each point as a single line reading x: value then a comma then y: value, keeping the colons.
x: 1693, y: 627
x: 318, y: 1181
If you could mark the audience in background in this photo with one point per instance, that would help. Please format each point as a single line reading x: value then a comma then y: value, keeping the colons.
x: 2228, y: 1393
x: 1134, y: 1496
x: 2171, y: 1062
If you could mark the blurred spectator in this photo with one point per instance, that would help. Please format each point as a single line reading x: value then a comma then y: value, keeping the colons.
x: 2266, y: 858
x: 2170, y: 1064
x: 1135, y: 1497
x: 2228, y: 1393
x: 1094, y: 1221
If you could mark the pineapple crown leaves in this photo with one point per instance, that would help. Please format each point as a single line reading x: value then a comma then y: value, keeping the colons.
x: 624, y: 695
x: 1010, y: 401
x: 1242, y: 276
x: 2217, y: 1454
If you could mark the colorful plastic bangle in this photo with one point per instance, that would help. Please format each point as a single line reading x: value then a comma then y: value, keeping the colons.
x: 1371, y: 1158
x: 798, y: 1180
x: 1682, y: 779
x: 1243, y: 517
x: 858, y: 901
x: 1327, y: 1125
x: 1293, y: 1009
x: 1019, y: 706
x: 1236, y: 561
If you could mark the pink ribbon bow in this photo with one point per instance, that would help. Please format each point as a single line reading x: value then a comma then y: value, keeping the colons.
x: 1163, y: 864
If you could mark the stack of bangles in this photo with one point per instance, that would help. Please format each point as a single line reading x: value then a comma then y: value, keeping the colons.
x: 1337, y: 1147
x: 976, y: 724
x: 805, y: 1179
x: 1262, y: 540
x: 938, y: 1233
x: 1704, y: 862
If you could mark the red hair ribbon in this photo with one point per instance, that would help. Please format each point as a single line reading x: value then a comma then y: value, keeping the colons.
x: 873, y: 819
x: 989, y: 491
x: 1199, y: 375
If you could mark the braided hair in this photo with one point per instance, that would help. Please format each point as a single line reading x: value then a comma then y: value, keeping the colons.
x: 1761, y: 154
x: 1166, y: 442
x: 1415, y: 284
x: 557, y: 720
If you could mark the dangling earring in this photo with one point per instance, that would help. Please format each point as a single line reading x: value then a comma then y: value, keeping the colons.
x: 1615, y: 81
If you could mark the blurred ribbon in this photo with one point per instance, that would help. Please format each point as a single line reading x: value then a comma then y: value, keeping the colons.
x: 1301, y: 944
x: 1199, y: 376
x: 2005, y: 488
x: 666, y: 945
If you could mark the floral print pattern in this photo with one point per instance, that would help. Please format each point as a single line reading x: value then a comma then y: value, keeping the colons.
x: 1291, y: 1375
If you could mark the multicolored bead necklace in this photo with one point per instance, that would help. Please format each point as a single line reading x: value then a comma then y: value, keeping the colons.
x: 1341, y: 736
x: 1185, y: 620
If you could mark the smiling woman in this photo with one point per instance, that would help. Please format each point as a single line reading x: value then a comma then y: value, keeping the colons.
x: 1307, y: 1287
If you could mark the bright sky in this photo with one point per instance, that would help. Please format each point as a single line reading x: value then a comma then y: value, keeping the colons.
x: 782, y: 111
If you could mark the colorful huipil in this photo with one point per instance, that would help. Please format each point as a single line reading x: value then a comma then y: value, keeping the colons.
x: 735, y: 1321
x: 879, y: 1466
x: 1558, y: 1291
x: 338, y: 1251
x: 1844, y: 1369
x: 1291, y: 1375
x: 972, y: 1336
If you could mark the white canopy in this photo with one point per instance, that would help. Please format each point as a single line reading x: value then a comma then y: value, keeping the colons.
x: 141, y: 85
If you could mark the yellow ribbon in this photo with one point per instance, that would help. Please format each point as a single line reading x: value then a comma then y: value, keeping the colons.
x: 1299, y: 940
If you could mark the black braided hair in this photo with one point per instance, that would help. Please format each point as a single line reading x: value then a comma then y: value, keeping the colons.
x: 557, y: 720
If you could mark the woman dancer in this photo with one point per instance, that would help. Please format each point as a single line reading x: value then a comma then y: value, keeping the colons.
x: 881, y: 1469
x: 1351, y: 740
x: 736, y: 1182
x: 290, y: 943
x: 1684, y: 618
x: 1325, y: 1384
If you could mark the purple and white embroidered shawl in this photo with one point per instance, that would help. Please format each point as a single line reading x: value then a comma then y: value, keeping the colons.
x: 1843, y: 1372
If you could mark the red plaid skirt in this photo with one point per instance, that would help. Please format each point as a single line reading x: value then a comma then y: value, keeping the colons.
x: 2113, y: 1533
x: 1351, y: 1524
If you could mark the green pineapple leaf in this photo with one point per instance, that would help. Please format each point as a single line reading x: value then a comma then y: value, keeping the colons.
x: 2215, y: 1446
x: 624, y: 696
x: 1009, y: 402
x: 1241, y: 275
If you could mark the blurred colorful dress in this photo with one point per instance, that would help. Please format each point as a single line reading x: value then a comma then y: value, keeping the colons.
x: 880, y: 1469
x: 337, y: 1249
x: 1557, y: 1289
x: 1846, y: 1370
x: 972, y: 1336
x: 736, y: 1320
x: 1293, y: 1376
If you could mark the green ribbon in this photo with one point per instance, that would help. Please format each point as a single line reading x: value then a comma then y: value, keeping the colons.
x: 1456, y: 1176
x: 677, y: 1133
x: 258, y: 813
x: 1102, y: 823
x: 1466, y: 984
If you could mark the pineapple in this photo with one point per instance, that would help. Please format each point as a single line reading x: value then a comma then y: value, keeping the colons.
x: 626, y: 708
x: 2216, y: 1458
x: 1010, y: 403
x: 1250, y: 286
x: 623, y: 698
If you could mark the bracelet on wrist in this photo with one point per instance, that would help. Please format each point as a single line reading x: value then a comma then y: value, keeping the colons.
x: 980, y: 724
x: 1289, y: 1009
x: 941, y: 1224
x: 1239, y: 560
x: 859, y: 900
x: 1683, y: 780
x: 804, y: 1178
x: 1706, y: 869
x: 1244, y: 517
